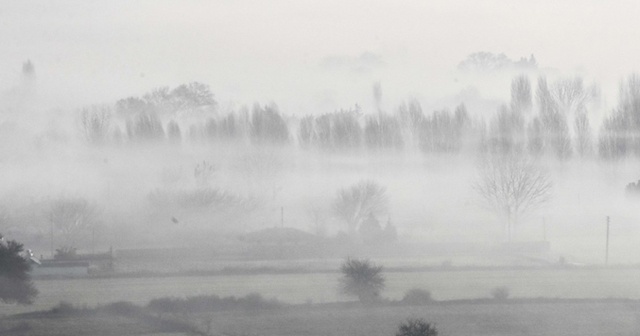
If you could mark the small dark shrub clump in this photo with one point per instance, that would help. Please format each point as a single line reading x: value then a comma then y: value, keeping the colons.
x: 123, y: 308
x: 417, y: 296
x: 417, y: 327
x: 363, y: 279
x: 64, y: 308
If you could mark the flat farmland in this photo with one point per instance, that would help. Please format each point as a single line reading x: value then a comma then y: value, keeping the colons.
x: 508, y: 318
x: 323, y: 287
x: 460, y: 319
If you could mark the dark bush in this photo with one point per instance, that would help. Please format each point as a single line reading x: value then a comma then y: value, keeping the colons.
x: 15, y: 279
x: 363, y: 279
x: 64, y: 308
x: 123, y: 308
x: 417, y: 327
x: 417, y: 296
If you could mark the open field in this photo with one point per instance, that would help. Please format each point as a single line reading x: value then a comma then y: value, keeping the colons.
x: 578, y: 318
x: 322, y: 287
x: 513, y: 318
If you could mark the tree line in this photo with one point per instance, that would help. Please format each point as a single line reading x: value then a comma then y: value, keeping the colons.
x: 553, y: 119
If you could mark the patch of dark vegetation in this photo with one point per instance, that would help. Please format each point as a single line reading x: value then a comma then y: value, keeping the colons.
x: 417, y: 297
x: 212, y: 303
x: 417, y: 327
x: 67, y: 309
x: 122, y: 308
x: 116, y: 311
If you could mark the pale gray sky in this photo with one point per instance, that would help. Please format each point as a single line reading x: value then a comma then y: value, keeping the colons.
x: 304, y: 55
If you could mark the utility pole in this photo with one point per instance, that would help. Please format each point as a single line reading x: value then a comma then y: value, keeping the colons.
x: 606, y: 255
x: 51, y: 237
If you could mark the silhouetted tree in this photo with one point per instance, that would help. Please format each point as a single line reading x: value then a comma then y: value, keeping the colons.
x: 72, y: 217
x: 15, y: 281
x: 268, y: 126
x: 229, y: 127
x: 442, y: 131
x: 362, y: 278
x: 95, y: 123
x: 584, y: 139
x: 358, y: 202
x: 410, y: 118
x: 173, y: 132
x: 554, y: 122
x: 521, y: 100
x: 306, y: 132
x: 535, y: 137
x: 192, y: 95
x: 570, y: 96
x: 211, y: 129
x: 506, y: 132
x: 145, y: 126
x: 613, y: 142
x: 382, y: 132
x: 511, y: 186
x: 633, y: 189
x: 620, y: 133
x: 131, y: 106
x: 346, y: 133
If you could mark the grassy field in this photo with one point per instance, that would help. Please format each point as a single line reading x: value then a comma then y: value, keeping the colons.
x: 514, y: 318
x: 602, y: 318
x: 322, y: 287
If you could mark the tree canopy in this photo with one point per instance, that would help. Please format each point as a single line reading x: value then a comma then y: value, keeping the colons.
x: 15, y: 280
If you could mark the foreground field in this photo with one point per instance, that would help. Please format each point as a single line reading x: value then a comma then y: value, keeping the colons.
x: 577, y: 318
x: 323, y: 287
x: 514, y: 318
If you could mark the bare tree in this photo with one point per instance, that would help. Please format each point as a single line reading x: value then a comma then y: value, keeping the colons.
x: 584, y: 138
x: 72, y: 217
x: 410, y: 117
x: 557, y: 136
x: 512, y: 186
x: 357, y: 202
x: 535, y: 137
x: 521, y: 100
x: 94, y: 123
x: 571, y: 96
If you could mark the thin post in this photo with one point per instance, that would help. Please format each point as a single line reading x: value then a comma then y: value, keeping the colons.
x: 51, y: 221
x: 93, y: 239
x: 606, y: 255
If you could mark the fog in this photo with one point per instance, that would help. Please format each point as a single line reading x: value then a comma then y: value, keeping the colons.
x: 215, y: 138
x: 327, y: 52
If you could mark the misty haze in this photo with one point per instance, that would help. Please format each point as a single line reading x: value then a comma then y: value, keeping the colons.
x: 319, y: 168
